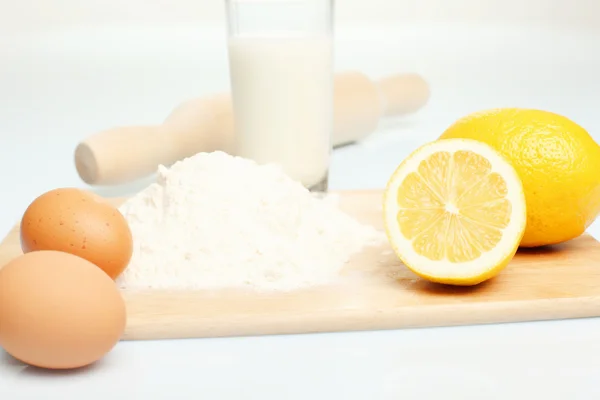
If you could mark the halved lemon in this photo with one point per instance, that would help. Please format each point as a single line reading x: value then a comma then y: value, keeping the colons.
x: 454, y: 211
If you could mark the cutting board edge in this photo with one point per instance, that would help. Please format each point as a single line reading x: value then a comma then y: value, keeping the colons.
x: 414, y: 317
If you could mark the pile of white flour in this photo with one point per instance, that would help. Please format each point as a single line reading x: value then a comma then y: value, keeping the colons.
x: 213, y: 221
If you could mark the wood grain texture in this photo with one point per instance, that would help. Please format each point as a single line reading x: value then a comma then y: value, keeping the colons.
x: 375, y: 292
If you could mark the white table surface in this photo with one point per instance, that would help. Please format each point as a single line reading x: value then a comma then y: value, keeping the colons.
x: 58, y: 87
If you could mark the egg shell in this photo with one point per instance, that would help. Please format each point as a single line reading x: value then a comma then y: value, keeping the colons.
x: 58, y: 311
x: 81, y: 223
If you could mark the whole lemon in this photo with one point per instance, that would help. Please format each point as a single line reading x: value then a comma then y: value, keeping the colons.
x: 558, y: 163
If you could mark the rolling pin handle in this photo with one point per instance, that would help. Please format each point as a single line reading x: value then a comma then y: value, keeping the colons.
x: 123, y: 154
x: 403, y: 93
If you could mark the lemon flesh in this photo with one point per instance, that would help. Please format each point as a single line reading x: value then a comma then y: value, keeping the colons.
x: 454, y: 212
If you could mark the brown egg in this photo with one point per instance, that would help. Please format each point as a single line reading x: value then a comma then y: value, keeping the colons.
x: 58, y: 310
x: 81, y: 223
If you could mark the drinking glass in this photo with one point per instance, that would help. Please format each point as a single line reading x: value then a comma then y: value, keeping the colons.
x: 281, y: 74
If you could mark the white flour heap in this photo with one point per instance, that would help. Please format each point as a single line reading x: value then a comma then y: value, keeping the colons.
x: 213, y: 221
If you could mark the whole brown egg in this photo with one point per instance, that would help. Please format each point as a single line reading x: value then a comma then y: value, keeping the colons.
x: 81, y: 223
x: 58, y: 311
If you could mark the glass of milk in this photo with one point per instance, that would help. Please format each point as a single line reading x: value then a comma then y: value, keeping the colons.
x: 281, y: 75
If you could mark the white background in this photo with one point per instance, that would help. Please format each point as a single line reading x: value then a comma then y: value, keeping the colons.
x: 42, y: 14
x: 69, y: 68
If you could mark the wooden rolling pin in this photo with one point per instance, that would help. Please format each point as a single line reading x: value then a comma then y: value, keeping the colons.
x: 123, y: 154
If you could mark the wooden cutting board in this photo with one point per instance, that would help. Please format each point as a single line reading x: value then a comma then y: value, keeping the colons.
x: 380, y: 293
